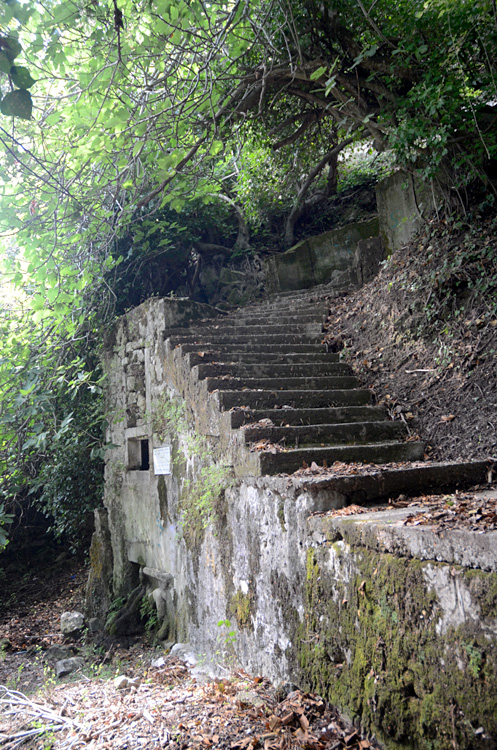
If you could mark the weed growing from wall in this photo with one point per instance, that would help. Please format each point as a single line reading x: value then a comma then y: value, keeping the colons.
x: 226, y: 640
x: 201, y: 494
x: 168, y: 416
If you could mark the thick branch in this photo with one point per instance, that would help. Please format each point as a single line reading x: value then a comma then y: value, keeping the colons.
x: 310, y: 118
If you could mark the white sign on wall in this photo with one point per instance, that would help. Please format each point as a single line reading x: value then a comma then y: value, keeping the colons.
x: 162, y: 460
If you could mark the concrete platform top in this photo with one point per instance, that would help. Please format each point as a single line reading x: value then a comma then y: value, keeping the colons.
x: 384, y: 531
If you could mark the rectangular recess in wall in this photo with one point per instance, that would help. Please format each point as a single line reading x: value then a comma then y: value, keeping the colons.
x: 138, y: 454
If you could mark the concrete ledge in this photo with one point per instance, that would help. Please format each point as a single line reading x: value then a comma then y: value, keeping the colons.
x: 384, y: 531
x: 166, y: 579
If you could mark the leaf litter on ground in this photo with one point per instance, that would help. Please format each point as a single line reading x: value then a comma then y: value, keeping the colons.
x: 169, y: 709
x: 162, y: 707
x: 475, y: 510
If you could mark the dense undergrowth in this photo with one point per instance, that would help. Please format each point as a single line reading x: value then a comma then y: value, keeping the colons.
x: 423, y: 335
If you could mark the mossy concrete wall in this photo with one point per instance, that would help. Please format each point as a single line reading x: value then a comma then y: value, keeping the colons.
x: 408, y: 648
x: 397, y: 626
x: 404, y: 204
x: 334, y: 256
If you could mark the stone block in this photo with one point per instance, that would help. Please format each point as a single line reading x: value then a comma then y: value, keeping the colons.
x: 368, y: 257
x: 67, y: 666
x: 57, y: 653
x: 99, y: 585
x: 72, y: 623
x: 404, y: 204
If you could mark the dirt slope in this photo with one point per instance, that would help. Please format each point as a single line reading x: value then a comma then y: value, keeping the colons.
x: 423, y: 336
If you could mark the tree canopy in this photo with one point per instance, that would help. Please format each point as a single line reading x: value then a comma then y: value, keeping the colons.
x: 123, y: 121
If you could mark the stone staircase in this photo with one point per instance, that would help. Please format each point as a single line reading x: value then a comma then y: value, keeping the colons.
x: 283, y: 402
x: 290, y: 401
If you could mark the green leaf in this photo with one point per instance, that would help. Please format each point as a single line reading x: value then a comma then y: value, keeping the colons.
x: 371, y: 51
x: 17, y: 103
x: 38, y: 302
x: 5, y: 64
x: 330, y: 84
x: 216, y: 147
x: 11, y: 47
x: 21, y: 77
x: 317, y: 73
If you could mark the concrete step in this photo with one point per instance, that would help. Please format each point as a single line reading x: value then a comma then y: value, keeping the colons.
x: 335, y: 491
x: 228, y: 399
x: 239, y: 321
x: 238, y: 338
x: 250, y: 331
x: 282, y: 315
x: 333, y: 415
x: 255, y: 358
x: 315, y: 292
x: 273, y: 349
x: 283, y: 384
x: 330, y: 289
x: 287, y: 310
x: 290, y: 300
x: 300, y: 306
x: 352, y: 433
x: 272, y: 370
x: 287, y: 462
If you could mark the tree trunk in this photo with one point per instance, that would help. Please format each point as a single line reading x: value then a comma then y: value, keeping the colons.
x: 330, y: 158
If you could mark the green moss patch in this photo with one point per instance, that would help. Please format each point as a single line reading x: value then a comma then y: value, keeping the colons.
x: 370, y: 644
x: 241, y: 608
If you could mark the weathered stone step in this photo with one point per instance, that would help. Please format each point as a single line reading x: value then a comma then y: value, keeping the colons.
x: 350, y: 433
x: 289, y: 308
x: 238, y: 338
x: 316, y: 293
x: 283, y: 313
x: 227, y: 349
x: 272, y: 369
x: 335, y: 491
x: 228, y: 399
x: 235, y: 321
x: 296, y: 298
x: 289, y: 416
x: 249, y: 331
x: 284, y: 384
x: 253, y: 358
x: 287, y: 462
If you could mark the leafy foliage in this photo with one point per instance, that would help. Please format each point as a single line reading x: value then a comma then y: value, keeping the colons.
x: 4, y: 518
x: 17, y: 102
